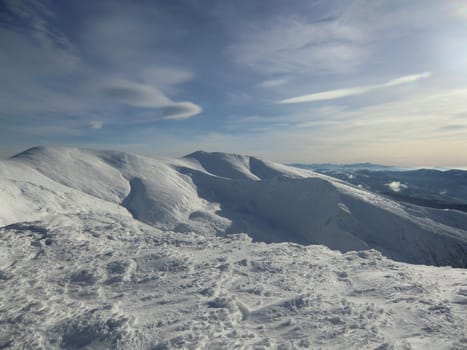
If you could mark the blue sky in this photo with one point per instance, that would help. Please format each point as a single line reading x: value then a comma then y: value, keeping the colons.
x: 292, y: 81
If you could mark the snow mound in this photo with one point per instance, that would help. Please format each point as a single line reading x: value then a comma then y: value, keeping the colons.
x: 151, y: 190
x: 240, y: 167
x: 27, y: 195
x: 78, y: 169
x: 230, y: 166
x: 220, y: 194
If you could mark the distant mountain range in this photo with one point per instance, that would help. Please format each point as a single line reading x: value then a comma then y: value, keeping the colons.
x: 443, y: 189
x: 332, y: 166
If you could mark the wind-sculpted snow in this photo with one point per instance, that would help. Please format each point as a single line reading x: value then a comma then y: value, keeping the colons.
x: 98, y: 280
x: 238, y: 167
x: 219, y: 194
x: 78, y: 169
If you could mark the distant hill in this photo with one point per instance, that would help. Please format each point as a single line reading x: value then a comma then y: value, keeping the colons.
x: 442, y: 189
x: 332, y: 166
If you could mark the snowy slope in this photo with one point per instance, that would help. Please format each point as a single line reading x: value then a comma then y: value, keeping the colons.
x: 218, y: 194
x: 28, y: 195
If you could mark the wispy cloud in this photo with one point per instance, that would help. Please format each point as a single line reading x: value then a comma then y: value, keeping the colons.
x: 96, y: 124
x: 407, y: 79
x: 272, y: 83
x: 36, y: 17
x: 55, y: 72
x: 291, y: 44
x: 146, y: 96
x: 328, y: 95
x: 340, y: 93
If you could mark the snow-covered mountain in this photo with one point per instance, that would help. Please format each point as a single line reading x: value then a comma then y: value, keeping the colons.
x: 108, y: 250
x: 443, y: 189
x: 218, y: 194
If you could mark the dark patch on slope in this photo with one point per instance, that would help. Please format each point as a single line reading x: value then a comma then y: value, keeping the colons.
x: 29, y: 152
x: 133, y: 201
x: 258, y: 168
x: 242, y: 212
x: 219, y: 164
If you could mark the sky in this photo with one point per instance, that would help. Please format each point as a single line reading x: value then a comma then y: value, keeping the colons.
x: 310, y: 81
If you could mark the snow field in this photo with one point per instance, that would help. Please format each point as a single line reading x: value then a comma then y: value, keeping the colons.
x: 137, y: 287
x: 107, y: 250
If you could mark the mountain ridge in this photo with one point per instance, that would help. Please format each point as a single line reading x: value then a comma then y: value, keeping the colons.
x: 219, y: 194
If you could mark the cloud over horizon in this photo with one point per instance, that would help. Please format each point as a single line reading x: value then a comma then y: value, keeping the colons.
x: 145, y: 96
x: 340, y: 93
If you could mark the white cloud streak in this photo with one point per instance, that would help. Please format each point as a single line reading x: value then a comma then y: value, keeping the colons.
x: 272, y: 83
x: 95, y: 124
x: 340, y: 93
x: 407, y: 79
x: 146, y: 96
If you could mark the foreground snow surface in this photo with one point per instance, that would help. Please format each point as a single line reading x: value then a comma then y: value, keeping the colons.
x: 96, y: 280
